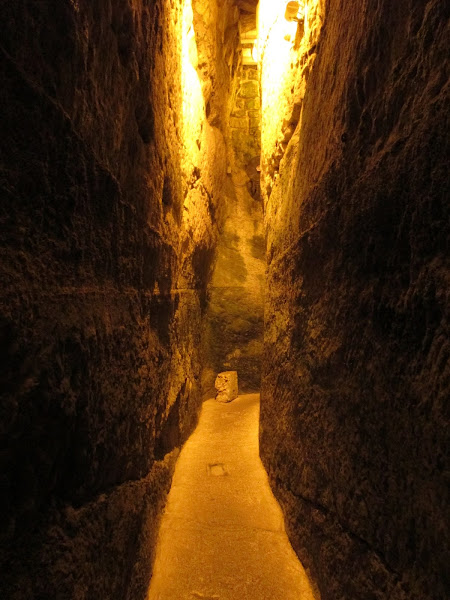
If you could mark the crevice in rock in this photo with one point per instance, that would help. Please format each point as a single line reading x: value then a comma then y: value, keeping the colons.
x: 329, y: 514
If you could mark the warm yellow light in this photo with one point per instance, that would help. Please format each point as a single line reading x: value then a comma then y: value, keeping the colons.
x: 193, y: 102
x: 292, y: 12
x: 275, y: 44
x: 287, y: 31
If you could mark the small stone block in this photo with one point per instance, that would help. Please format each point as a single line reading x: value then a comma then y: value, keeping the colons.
x: 252, y: 74
x: 239, y: 123
x: 227, y: 386
x: 249, y: 89
x: 252, y: 104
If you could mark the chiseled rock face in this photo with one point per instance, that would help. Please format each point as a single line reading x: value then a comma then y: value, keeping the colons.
x: 356, y: 364
x: 226, y: 385
x: 111, y: 183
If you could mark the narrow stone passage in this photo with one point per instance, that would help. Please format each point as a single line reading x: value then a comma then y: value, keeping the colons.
x: 222, y: 535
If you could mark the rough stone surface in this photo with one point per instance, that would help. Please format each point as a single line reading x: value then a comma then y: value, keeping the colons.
x: 246, y: 116
x: 111, y: 178
x: 115, y: 206
x: 354, y: 425
x: 217, y: 35
x: 226, y: 385
x: 234, y: 325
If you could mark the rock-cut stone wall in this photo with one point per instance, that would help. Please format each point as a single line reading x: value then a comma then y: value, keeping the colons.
x: 354, y: 425
x: 111, y: 178
x: 234, y: 324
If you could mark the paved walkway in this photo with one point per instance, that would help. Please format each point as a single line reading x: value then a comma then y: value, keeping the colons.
x: 222, y: 535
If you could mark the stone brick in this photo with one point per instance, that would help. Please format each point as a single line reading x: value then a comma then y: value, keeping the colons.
x: 252, y: 74
x: 249, y: 89
x: 239, y: 123
x: 252, y: 104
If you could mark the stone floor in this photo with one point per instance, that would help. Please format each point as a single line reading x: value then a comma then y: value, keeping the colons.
x: 222, y: 535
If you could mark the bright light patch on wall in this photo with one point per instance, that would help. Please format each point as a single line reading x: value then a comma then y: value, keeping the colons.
x: 193, y: 102
x: 285, y: 33
x: 273, y: 33
x: 275, y: 39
